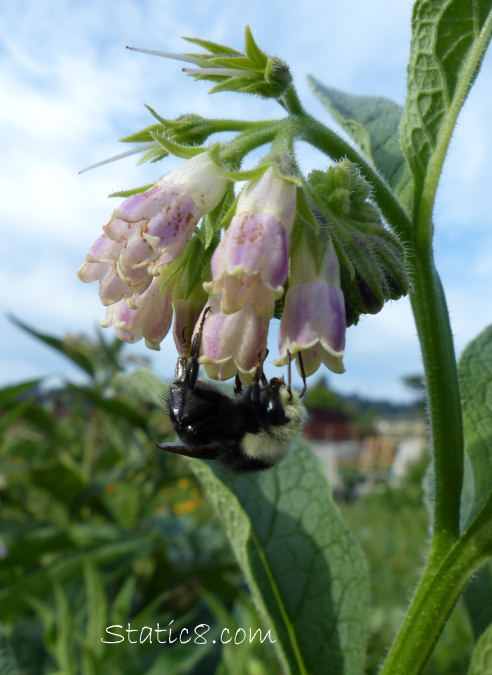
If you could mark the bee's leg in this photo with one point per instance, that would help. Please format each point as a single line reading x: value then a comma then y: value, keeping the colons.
x: 289, y: 375
x: 260, y: 373
x: 238, y: 385
x: 303, y: 374
x: 192, y: 367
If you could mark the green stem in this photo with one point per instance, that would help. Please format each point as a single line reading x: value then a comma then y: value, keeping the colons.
x: 326, y: 140
x: 436, y: 340
x: 242, y: 144
x: 451, y: 563
x: 434, y: 599
x: 218, y: 125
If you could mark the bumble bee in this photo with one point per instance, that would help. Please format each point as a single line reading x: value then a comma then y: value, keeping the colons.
x: 249, y: 432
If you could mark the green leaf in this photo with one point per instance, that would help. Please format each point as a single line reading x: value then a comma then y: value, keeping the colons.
x: 475, y: 371
x: 373, y: 122
x: 478, y: 600
x: 8, y: 662
x: 449, y: 38
x: 14, y: 391
x: 75, y: 353
x: 306, y: 573
x: 64, y: 622
x: 122, y: 604
x: 481, y: 663
x: 142, y: 385
x: 14, y: 598
x: 115, y: 406
x: 97, y: 607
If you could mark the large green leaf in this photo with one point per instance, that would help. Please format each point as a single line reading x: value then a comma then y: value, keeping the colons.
x: 449, y: 38
x: 481, y: 663
x: 475, y: 370
x: 306, y: 573
x: 373, y: 122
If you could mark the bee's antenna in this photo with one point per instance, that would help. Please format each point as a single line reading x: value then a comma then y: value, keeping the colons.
x: 303, y: 374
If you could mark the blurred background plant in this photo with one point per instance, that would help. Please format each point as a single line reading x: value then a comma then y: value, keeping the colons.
x: 99, y: 528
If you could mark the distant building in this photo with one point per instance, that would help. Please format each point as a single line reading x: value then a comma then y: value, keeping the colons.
x: 392, y: 444
x: 330, y: 425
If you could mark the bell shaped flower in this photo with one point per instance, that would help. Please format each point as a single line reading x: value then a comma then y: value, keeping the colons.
x: 232, y: 343
x: 150, y: 318
x: 251, y: 262
x: 148, y: 230
x: 313, y: 320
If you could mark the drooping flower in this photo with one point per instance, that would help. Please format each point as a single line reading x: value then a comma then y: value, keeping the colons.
x: 150, y: 318
x: 232, y: 343
x: 250, y: 264
x: 148, y: 231
x: 313, y: 320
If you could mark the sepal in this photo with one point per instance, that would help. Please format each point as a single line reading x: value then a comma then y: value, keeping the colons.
x: 252, y: 71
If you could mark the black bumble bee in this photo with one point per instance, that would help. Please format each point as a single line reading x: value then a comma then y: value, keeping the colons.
x: 249, y: 432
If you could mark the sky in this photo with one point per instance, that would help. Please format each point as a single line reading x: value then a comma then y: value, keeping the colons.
x: 71, y: 90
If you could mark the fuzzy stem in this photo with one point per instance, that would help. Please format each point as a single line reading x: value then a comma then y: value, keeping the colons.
x: 326, y: 140
x: 434, y: 599
x: 436, y: 340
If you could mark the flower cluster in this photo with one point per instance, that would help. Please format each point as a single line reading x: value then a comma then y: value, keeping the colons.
x: 148, y: 231
x: 151, y: 265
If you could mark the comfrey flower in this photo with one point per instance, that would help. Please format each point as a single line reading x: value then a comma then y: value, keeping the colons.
x: 150, y: 319
x: 148, y: 231
x: 232, y: 343
x: 251, y: 263
x: 313, y: 320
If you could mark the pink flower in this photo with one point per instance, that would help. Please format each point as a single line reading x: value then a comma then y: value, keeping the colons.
x: 232, y: 343
x: 250, y: 264
x: 145, y: 233
x: 150, y: 319
x: 313, y: 320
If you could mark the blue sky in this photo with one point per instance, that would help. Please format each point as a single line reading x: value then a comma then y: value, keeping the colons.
x: 71, y: 89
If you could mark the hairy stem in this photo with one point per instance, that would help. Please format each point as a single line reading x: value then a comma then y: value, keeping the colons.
x: 326, y: 140
x: 436, y: 341
x: 434, y: 599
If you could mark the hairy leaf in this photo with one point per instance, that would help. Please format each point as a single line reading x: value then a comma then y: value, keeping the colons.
x: 76, y: 353
x: 306, y: 573
x: 481, y: 663
x: 449, y: 38
x: 373, y: 122
x: 475, y: 370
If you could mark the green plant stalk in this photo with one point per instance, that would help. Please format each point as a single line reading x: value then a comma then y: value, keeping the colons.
x: 432, y: 600
x: 435, y: 597
x: 444, y: 405
x: 314, y: 132
x: 247, y: 141
x: 451, y: 563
